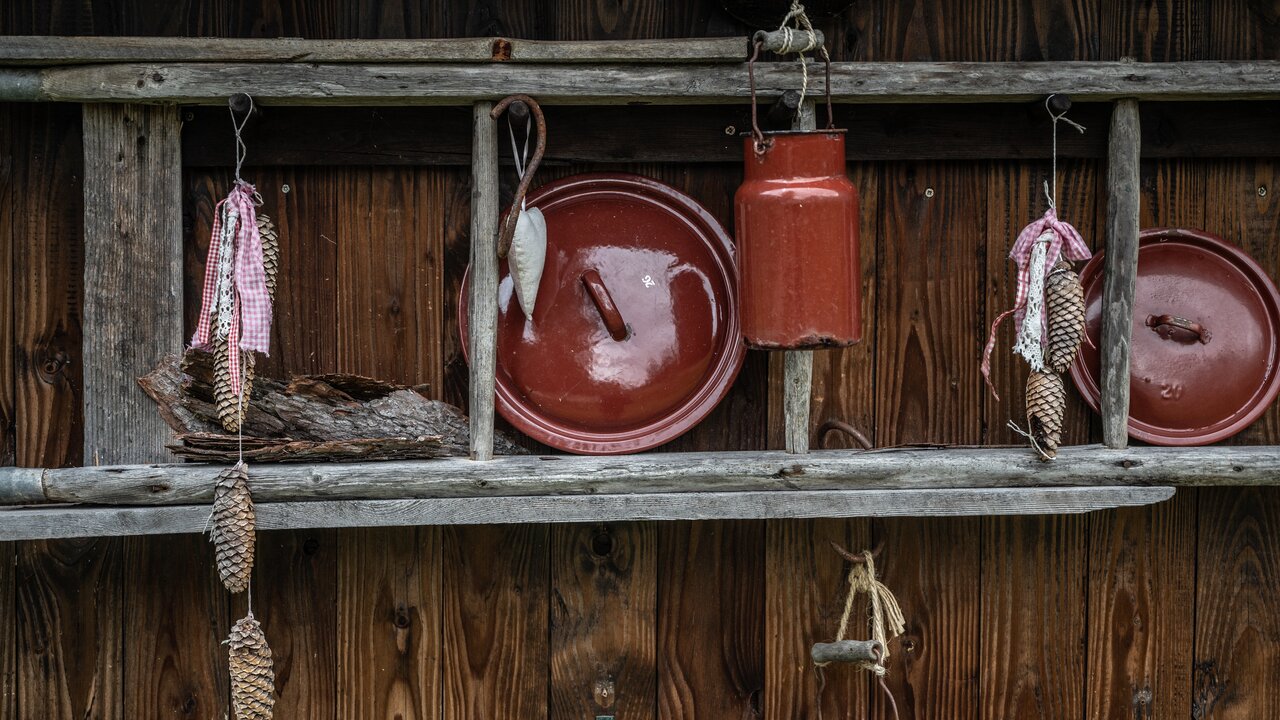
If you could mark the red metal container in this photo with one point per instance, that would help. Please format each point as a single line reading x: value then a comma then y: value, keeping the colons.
x: 796, y: 217
x: 635, y: 335
x: 1206, y: 339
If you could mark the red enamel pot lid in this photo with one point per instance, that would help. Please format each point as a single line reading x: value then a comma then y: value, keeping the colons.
x: 668, y: 268
x: 1204, y: 344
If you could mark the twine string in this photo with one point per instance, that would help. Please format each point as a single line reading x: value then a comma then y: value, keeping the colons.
x: 801, y: 19
x: 1051, y: 185
x: 238, y: 126
x: 521, y: 157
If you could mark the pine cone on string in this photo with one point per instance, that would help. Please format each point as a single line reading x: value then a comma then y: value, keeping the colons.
x: 231, y: 407
x: 270, y: 251
x: 234, y: 527
x: 1046, y: 405
x: 252, y: 677
x: 1064, y: 303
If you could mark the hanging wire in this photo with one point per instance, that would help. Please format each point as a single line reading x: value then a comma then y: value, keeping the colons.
x: 238, y: 126
x: 1051, y: 185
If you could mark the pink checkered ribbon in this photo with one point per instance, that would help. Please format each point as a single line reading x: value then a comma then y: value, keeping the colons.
x: 250, y: 311
x: 1066, y: 240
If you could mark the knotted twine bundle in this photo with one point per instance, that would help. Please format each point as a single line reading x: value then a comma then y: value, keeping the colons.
x: 884, y: 615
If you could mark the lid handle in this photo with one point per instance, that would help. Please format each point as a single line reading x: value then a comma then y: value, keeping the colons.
x: 1156, y: 322
x: 604, y: 304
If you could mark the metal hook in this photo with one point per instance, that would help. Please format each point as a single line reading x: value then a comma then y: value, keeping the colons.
x: 508, y: 229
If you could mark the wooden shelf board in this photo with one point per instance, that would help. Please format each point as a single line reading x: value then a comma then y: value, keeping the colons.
x: 617, y: 83
x: 48, y: 522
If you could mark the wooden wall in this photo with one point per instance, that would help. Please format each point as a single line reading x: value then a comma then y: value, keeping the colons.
x: 1159, y: 612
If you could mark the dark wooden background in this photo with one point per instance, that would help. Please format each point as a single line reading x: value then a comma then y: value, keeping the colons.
x: 1162, y: 612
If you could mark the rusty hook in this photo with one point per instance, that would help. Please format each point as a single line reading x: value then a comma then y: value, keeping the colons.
x: 857, y: 558
x: 508, y: 229
x: 821, y: 435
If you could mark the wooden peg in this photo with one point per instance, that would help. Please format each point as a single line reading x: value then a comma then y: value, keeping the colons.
x: 846, y: 651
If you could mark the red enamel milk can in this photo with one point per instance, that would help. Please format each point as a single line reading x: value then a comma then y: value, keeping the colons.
x: 796, y: 221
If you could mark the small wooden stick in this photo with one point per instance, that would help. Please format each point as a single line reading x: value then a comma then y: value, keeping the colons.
x: 845, y: 651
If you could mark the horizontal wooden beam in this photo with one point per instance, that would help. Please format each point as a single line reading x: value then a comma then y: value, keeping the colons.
x: 706, y: 134
x: 771, y: 471
x: 62, y: 521
x: 630, y: 84
x: 45, y: 50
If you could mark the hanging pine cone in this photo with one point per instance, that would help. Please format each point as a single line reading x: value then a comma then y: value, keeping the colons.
x: 1046, y: 404
x: 252, y: 677
x: 270, y: 251
x: 231, y: 407
x: 234, y: 526
x: 1064, y: 303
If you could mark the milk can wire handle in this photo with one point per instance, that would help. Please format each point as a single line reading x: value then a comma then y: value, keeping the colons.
x: 761, y: 143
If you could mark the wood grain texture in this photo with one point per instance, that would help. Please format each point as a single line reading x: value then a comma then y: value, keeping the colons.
x: 70, y: 630
x: 496, y: 622
x: 1035, y: 598
x: 930, y: 318
x: 933, y: 566
x: 603, y: 620
x: 295, y: 597
x: 389, y: 641
x: 43, y: 219
x: 615, y: 84
x: 132, y: 213
x: 710, y: 620
x: 1237, y: 633
x: 174, y: 663
x: 1121, y: 273
x: 8, y: 630
x: 1152, y: 30
x: 1015, y: 199
x: 805, y: 587
x: 1141, y: 611
x: 11, y: 128
x: 482, y: 308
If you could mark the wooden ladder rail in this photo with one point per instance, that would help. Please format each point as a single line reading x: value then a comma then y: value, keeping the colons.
x: 1121, y: 269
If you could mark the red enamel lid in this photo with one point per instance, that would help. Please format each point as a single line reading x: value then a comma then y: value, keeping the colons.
x: 1205, y: 347
x: 635, y: 334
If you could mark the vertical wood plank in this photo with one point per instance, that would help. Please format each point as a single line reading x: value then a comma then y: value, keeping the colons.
x: 70, y: 618
x: 1237, y: 634
x: 496, y: 585
x: 44, y: 217
x: 11, y: 135
x: 174, y: 619
x: 482, y: 312
x: 603, y: 636
x: 1034, y: 598
x: 1141, y: 610
x: 844, y: 379
x: 1121, y: 272
x: 295, y: 597
x: 389, y: 607
x: 797, y: 365
x: 805, y: 587
x: 710, y: 619
x: 8, y: 630
x: 133, y: 274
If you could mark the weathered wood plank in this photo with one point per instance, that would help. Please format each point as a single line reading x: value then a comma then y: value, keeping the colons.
x: 805, y: 587
x: 1237, y: 635
x: 710, y: 619
x: 603, y: 636
x: 901, y: 468
x: 61, y: 521
x: 495, y: 628
x: 8, y: 630
x: 133, y: 274
x: 12, y: 133
x: 295, y: 597
x: 604, y: 83
x: 1121, y: 275
x: 1034, y: 599
x: 174, y: 662
x: 482, y: 310
x: 708, y: 134
x: 389, y: 640
x: 1141, y: 611
x: 46, y: 50
x: 70, y: 629
x: 797, y: 365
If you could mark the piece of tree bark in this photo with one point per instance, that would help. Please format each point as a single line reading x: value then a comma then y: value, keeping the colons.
x: 311, y: 418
